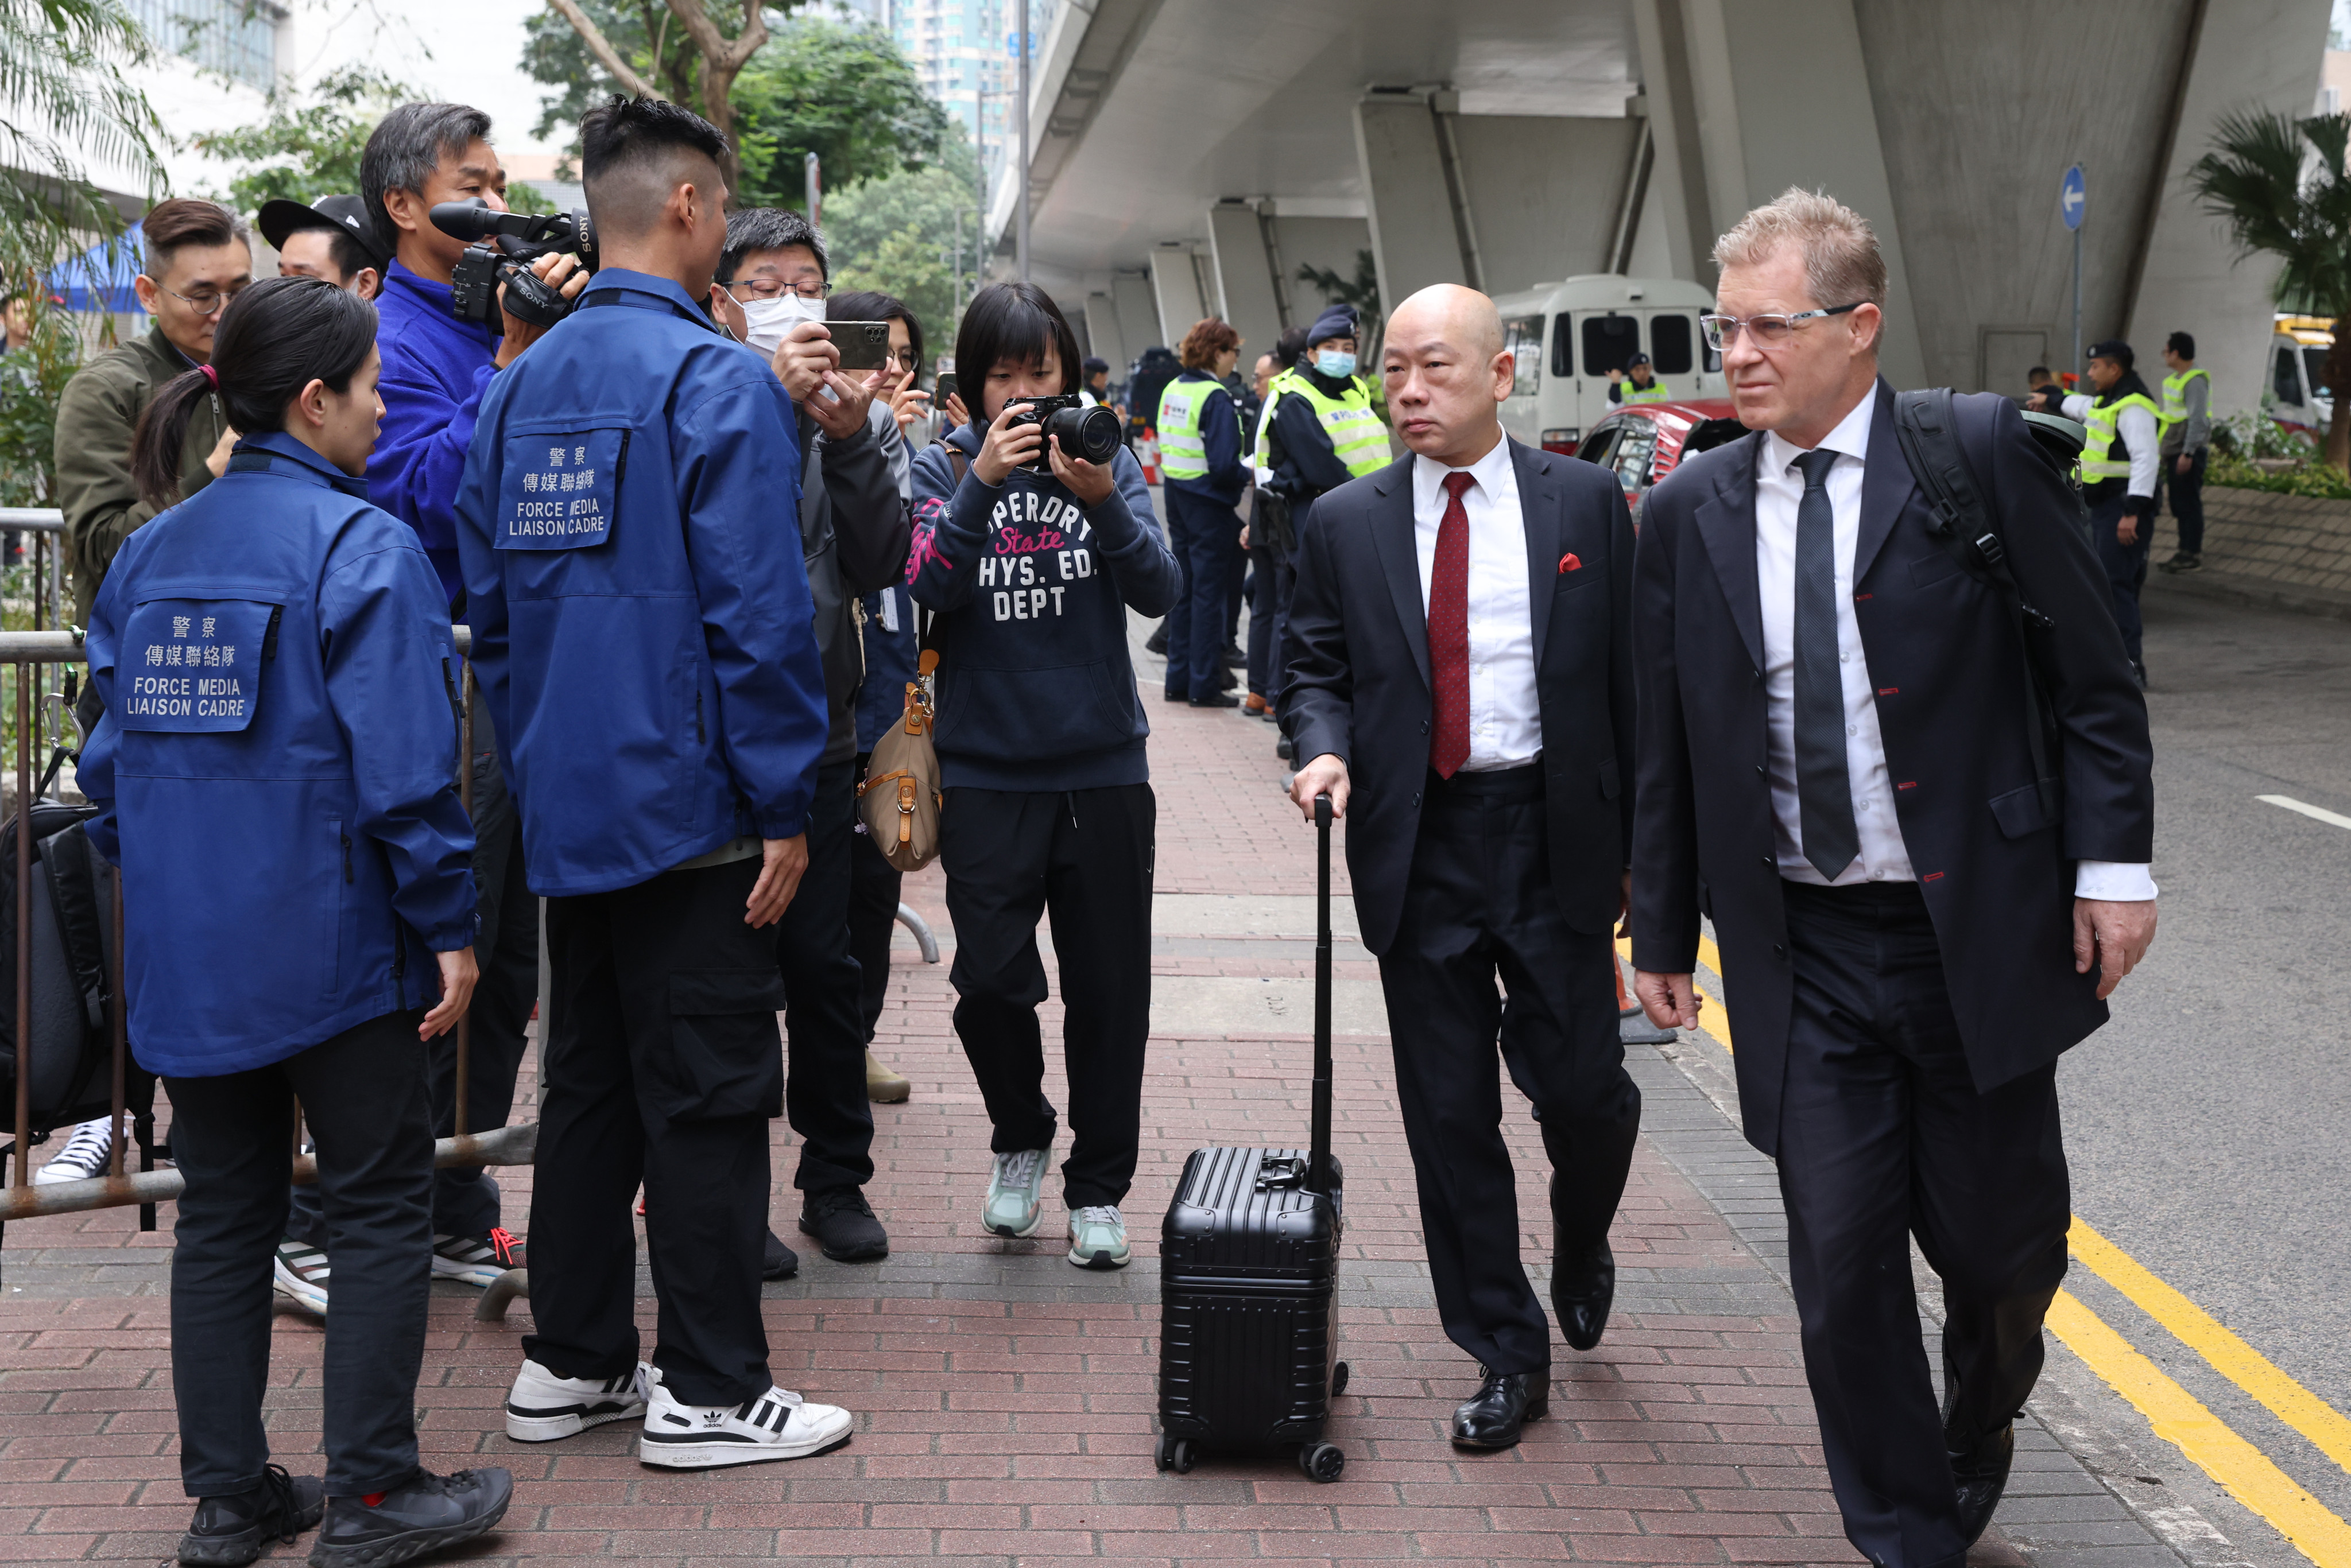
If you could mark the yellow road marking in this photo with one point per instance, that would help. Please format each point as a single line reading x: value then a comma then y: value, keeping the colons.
x: 1714, y: 1019
x: 2179, y: 1419
x: 2239, y: 1363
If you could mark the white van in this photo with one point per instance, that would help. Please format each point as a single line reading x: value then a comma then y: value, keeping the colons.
x: 1568, y: 336
x: 2300, y: 397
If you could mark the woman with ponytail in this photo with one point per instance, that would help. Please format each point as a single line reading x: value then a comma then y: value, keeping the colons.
x: 274, y: 775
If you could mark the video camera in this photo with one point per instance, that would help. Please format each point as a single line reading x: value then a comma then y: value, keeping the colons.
x: 504, y: 245
x: 1091, y: 434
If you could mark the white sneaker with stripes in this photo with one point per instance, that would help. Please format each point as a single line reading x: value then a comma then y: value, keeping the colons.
x: 299, y: 1273
x: 776, y: 1425
x: 542, y: 1407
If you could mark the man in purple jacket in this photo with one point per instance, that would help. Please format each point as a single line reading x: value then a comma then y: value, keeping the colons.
x: 435, y: 369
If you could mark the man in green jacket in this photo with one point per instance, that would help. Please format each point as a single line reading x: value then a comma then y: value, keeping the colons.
x: 197, y: 258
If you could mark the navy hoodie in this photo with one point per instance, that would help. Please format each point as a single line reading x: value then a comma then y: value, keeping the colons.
x: 1036, y: 691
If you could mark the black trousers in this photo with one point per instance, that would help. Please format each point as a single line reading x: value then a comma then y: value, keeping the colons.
x: 874, y: 885
x: 665, y: 1067
x: 1261, y: 617
x: 1478, y: 908
x: 2185, y: 497
x: 824, y: 993
x: 1084, y: 858
x: 363, y: 1094
x: 465, y: 1197
x: 2126, y: 568
x: 1883, y: 1137
x: 1199, y: 626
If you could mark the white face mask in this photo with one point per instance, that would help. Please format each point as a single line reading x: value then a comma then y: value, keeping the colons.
x: 767, y: 322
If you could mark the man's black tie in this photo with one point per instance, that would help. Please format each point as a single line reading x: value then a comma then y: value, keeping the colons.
x: 1824, y: 787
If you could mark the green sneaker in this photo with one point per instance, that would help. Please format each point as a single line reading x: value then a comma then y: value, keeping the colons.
x: 1016, y: 1193
x: 1098, y: 1239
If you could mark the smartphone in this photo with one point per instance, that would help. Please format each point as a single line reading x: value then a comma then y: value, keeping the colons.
x: 863, y: 344
x: 946, y: 389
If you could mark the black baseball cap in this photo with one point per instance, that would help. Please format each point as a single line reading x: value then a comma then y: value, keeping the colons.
x: 2114, y: 348
x: 1636, y: 359
x: 281, y: 219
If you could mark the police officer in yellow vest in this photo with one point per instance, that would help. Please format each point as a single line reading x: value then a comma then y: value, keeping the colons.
x: 1637, y: 384
x: 2119, y: 476
x: 2187, y: 416
x: 1201, y: 463
x: 1321, y: 432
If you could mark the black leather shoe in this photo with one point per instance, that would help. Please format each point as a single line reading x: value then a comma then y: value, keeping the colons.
x: 1225, y: 679
x: 235, y: 1530
x: 1504, y: 1404
x: 1157, y: 641
x: 429, y: 1514
x: 1178, y: 696
x: 1981, y: 1475
x: 1217, y: 699
x: 780, y: 1263
x: 844, y: 1225
x: 1582, y: 1294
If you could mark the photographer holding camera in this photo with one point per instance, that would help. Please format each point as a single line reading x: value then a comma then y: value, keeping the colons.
x: 436, y: 367
x: 853, y: 533
x: 1033, y: 535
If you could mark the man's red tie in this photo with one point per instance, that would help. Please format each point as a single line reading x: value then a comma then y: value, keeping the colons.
x: 1448, y: 633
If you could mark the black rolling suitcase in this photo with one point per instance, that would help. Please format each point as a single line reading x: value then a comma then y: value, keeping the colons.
x: 1249, y: 1260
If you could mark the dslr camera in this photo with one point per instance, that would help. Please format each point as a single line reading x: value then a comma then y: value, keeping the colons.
x: 1093, y: 433
x: 504, y: 245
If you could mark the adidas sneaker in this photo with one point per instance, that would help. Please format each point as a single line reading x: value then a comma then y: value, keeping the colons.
x: 776, y: 1425
x: 542, y: 1407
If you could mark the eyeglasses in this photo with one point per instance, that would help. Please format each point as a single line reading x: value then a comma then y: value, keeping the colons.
x: 205, y: 301
x: 1766, y: 332
x: 769, y: 288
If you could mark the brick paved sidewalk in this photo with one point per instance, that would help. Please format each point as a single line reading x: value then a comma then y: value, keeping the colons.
x: 1004, y: 1399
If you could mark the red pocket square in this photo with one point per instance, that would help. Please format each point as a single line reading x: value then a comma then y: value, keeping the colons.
x: 1568, y: 563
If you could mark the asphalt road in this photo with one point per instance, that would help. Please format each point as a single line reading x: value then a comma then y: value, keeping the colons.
x: 2210, y: 1124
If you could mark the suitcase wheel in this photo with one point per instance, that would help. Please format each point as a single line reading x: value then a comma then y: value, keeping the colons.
x: 1322, y: 1461
x: 1338, y: 1380
x: 1174, y: 1454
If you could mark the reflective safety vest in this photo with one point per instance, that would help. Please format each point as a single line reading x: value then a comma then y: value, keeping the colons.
x: 1288, y: 381
x: 2101, y: 458
x: 2175, y: 397
x: 1655, y: 392
x: 1182, y: 450
x: 1356, y: 434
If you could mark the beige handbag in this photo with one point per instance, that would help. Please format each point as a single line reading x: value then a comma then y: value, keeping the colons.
x: 899, y: 799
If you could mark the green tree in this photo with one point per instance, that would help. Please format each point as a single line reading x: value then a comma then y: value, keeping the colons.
x: 842, y: 92
x: 307, y: 148
x: 713, y: 45
x: 897, y: 233
x: 2280, y: 183
x: 62, y: 89
x: 32, y: 380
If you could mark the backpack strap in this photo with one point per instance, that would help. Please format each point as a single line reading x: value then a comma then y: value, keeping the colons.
x: 1966, y: 527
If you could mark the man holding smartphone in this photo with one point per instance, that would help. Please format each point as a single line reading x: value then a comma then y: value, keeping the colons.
x: 770, y: 289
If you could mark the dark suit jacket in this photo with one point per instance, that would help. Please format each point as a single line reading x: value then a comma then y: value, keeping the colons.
x: 1949, y: 673
x: 1358, y: 683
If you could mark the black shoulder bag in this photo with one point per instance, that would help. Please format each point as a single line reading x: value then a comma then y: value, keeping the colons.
x: 1964, y: 526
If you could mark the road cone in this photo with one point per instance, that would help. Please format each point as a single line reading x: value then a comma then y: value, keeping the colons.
x: 1146, y: 452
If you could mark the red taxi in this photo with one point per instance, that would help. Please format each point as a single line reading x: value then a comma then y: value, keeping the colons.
x: 1643, y: 442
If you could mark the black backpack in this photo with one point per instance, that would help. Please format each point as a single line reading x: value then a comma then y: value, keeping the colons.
x: 70, y: 995
x: 1969, y: 527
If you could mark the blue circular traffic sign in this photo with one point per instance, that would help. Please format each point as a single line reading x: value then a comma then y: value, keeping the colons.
x: 2073, y: 196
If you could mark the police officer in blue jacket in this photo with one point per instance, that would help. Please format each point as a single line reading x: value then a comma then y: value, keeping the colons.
x: 645, y: 643
x: 274, y: 776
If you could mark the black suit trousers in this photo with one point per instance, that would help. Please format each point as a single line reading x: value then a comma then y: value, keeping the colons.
x: 1883, y: 1137
x: 1478, y: 908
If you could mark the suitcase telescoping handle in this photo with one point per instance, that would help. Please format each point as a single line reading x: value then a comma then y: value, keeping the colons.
x: 1319, y: 1144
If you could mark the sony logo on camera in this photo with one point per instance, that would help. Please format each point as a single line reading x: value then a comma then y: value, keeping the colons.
x: 504, y: 245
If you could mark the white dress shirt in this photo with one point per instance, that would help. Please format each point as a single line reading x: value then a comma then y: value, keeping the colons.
x: 1884, y: 857
x: 1505, y: 721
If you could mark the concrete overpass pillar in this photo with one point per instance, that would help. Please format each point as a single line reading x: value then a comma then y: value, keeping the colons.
x: 1244, y: 277
x: 1103, y: 335
x: 1406, y: 196
x: 1138, y: 314
x: 1750, y: 96
x: 1175, y: 291
x: 2244, y: 54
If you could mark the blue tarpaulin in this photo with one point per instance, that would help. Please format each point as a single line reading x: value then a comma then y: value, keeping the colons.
x: 100, y: 278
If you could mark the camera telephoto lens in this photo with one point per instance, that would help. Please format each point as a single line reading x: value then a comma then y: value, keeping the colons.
x: 1092, y: 434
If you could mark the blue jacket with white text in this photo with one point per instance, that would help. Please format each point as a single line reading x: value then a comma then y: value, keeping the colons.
x: 642, y: 624
x: 275, y: 769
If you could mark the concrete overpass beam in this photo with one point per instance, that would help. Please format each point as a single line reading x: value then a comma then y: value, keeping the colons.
x: 1105, y: 338
x: 1236, y: 254
x: 1547, y: 191
x: 1137, y: 312
x: 1176, y: 292
x: 1406, y: 198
